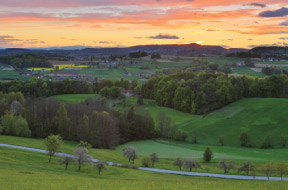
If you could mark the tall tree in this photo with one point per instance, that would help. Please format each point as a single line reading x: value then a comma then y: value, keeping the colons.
x: 62, y: 122
x: 53, y: 143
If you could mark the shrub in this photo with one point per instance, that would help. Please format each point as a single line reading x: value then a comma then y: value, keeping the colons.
x: 208, y: 155
x: 146, y: 161
x: 267, y: 143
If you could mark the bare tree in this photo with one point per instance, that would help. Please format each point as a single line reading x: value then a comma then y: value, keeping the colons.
x: 65, y: 161
x: 246, y: 167
x: 130, y: 152
x: 227, y: 166
x: 178, y: 162
x: 282, y: 169
x: 81, y: 156
x: 253, y: 171
x: 100, y: 165
x: 190, y: 163
x: 53, y: 144
x: 154, y: 158
x: 268, y: 169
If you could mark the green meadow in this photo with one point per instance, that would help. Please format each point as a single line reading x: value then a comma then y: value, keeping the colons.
x: 29, y: 170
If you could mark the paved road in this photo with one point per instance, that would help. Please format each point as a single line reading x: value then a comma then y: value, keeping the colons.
x: 161, y: 170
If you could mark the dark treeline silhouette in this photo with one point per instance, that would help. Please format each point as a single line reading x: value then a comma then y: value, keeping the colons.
x: 91, y: 121
x: 203, y: 92
x: 41, y: 88
x: 26, y: 60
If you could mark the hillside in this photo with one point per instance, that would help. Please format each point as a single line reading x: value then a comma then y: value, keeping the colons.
x: 259, y: 117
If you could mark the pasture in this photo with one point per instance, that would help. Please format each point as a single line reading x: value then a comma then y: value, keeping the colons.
x: 29, y: 170
x: 168, y: 151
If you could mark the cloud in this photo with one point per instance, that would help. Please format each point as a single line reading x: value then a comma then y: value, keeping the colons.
x: 276, y: 13
x: 255, y: 5
x: 265, y: 45
x: 284, y: 38
x: 164, y: 36
x: 8, y: 39
x: 285, y: 23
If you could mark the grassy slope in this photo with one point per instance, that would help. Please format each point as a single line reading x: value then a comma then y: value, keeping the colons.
x: 260, y: 117
x: 168, y: 151
x: 28, y: 170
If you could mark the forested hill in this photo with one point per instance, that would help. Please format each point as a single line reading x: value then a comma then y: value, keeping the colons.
x: 179, y: 50
x: 25, y: 60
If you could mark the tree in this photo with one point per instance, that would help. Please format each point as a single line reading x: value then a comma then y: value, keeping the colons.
x: 154, y: 158
x: 244, y: 139
x: 282, y: 169
x: 267, y: 143
x: 16, y: 107
x: 65, y: 161
x: 130, y: 152
x: 268, y: 169
x: 227, y: 166
x: 100, y: 165
x: 53, y: 143
x: 146, y: 161
x: 190, y: 163
x: 62, y: 122
x: 208, y: 155
x: 140, y: 101
x: 15, y: 125
x: 195, y: 135
x: 84, y: 144
x: 179, y: 163
x: 246, y: 167
x: 81, y: 156
x: 284, y: 141
x: 221, y: 141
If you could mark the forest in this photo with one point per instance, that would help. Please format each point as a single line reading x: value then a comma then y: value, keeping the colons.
x: 25, y: 61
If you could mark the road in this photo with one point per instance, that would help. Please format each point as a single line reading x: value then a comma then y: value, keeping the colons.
x: 224, y: 176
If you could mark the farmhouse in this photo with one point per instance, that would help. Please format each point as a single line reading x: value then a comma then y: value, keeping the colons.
x: 128, y: 93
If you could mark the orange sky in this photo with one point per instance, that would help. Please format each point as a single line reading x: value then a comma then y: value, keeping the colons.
x: 117, y: 23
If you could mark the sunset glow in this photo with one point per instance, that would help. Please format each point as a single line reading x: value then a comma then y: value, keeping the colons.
x: 118, y: 23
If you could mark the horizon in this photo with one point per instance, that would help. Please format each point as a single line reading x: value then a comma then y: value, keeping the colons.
x: 238, y: 24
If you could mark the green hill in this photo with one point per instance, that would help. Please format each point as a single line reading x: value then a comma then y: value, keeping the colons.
x: 260, y: 117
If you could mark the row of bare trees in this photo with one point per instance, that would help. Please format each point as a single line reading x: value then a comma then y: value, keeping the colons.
x: 81, y: 154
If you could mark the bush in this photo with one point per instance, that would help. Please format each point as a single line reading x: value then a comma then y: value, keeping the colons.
x: 267, y: 143
x: 146, y: 161
x: 15, y: 126
x: 244, y: 139
x: 208, y: 155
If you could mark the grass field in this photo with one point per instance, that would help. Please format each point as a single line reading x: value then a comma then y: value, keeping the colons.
x: 28, y: 170
x: 10, y: 74
x: 260, y: 117
x: 72, y: 98
x: 168, y: 151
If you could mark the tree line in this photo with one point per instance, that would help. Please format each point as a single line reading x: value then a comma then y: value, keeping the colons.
x: 205, y: 91
x: 25, y: 61
x: 35, y: 88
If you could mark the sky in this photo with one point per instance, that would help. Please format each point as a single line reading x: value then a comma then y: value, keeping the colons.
x: 123, y: 23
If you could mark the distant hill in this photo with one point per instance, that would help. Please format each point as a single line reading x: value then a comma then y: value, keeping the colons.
x: 177, y: 50
x: 272, y: 51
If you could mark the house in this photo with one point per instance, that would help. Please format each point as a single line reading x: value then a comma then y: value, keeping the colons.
x: 128, y: 93
x: 241, y: 64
